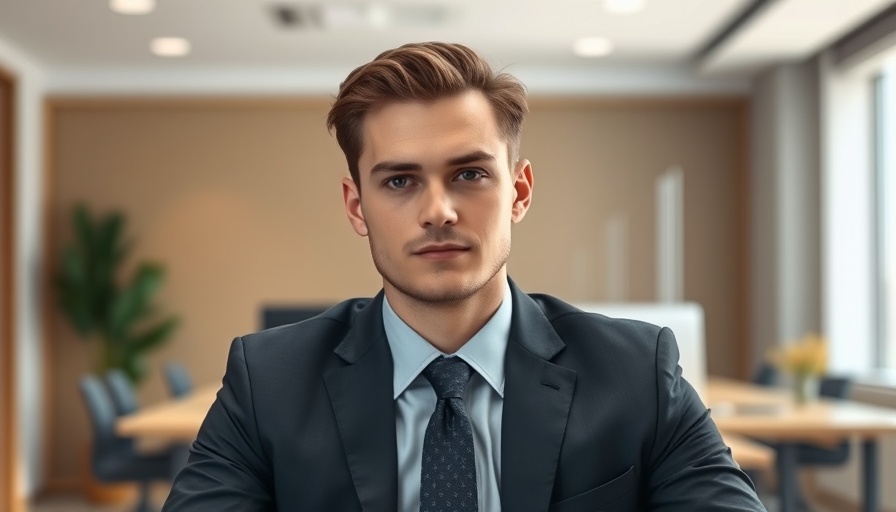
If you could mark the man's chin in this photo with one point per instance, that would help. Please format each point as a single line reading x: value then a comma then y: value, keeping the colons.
x: 440, y: 290
x: 440, y: 295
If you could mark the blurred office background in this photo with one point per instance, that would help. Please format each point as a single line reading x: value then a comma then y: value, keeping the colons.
x: 770, y: 122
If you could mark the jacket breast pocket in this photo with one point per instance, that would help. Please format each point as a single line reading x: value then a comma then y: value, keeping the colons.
x: 617, y: 495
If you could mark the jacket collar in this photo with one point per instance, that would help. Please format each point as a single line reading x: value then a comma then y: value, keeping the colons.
x: 361, y: 397
x: 537, y: 398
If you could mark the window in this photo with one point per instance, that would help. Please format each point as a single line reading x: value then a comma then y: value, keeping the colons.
x: 884, y: 218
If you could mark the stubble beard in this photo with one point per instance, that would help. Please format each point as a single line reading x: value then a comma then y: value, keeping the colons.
x: 438, y: 295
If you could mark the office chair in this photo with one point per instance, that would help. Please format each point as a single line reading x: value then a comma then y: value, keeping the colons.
x: 766, y: 375
x: 178, y: 379
x: 808, y: 454
x: 812, y: 455
x: 124, y: 398
x: 114, y: 458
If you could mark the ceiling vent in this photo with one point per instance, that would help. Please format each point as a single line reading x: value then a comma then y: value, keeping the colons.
x: 289, y: 17
x: 334, y: 15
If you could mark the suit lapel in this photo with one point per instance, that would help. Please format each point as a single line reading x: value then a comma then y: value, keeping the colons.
x: 537, y: 397
x: 361, y: 396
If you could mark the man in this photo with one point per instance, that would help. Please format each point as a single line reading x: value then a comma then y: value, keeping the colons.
x: 451, y: 389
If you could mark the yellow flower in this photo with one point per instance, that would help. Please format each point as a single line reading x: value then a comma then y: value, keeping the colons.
x: 806, y: 356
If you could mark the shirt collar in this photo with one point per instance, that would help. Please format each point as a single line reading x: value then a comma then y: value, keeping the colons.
x: 484, y: 351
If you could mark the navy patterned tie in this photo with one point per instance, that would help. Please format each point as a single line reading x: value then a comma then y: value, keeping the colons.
x: 448, y: 472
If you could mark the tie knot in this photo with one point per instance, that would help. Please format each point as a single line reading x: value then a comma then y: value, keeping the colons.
x: 448, y: 376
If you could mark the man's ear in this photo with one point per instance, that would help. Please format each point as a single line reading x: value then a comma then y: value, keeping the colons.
x: 523, y: 181
x: 352, y: 198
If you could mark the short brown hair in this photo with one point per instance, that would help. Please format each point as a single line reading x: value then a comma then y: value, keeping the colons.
x: 423, y: 72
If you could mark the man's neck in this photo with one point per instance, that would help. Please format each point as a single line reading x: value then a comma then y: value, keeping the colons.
x: 449, y: 325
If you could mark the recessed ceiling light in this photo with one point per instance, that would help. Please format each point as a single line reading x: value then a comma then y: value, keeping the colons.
x: 379, y: 16
x: 132, y: 6
x: 170, y: 46
x: 592, y: 47
x: 624, y: 6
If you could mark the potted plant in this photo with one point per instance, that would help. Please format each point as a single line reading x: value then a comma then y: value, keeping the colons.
x: 805, y: 360
x: 115, y: 315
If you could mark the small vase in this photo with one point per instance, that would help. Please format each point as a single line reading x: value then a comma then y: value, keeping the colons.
x: 805, y: 388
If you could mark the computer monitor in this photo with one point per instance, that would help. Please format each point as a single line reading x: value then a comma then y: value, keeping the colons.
x: 274, y: 316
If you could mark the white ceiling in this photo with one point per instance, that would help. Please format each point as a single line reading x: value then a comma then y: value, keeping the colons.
x: 791, y: 30
x: 84, y: 46
x: 242, y: 32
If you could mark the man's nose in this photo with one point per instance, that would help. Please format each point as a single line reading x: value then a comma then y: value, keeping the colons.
x: 437, y: 207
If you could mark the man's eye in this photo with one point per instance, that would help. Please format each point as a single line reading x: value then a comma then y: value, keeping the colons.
x: 470, y: 175
x: 398, y: 182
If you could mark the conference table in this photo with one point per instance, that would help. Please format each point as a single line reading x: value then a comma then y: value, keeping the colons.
x: 739, y: 409
x: 175, y: 419
x: 178, y: 420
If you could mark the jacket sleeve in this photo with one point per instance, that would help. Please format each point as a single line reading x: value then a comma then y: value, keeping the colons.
x: 228, y: 470
x: 690, y: 466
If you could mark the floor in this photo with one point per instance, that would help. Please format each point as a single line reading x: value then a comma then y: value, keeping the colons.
x: 77, y: 503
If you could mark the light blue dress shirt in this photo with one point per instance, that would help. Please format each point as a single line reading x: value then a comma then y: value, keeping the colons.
x: 415, y: 401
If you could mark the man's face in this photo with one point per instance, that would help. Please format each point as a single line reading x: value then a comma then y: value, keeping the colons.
x: 437, y: 197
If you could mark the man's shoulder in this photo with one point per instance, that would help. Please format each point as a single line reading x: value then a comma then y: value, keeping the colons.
x: 558, y: 311
x: 326, y: 328
x: 575, y: 325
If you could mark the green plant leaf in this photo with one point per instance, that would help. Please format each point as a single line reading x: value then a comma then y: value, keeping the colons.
x: 83, y: 225
x: 133, y: 302
x: 77, y: 312
x: 154, y: 336
x: 110, y: 247
x: 87, y: 269
x: 97, y: 305
x: 135, y: 367
x: 73, y: 266
x: 75, y: 293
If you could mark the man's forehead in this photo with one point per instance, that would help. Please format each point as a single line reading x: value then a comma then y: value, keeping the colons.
x: 442, y: 121
x: 470, y: 106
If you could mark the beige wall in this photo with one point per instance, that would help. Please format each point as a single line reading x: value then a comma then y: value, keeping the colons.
x: 241, y: 200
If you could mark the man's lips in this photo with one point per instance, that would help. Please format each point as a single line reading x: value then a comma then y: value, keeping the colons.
x: 441, y: 248
x: 438, y: 251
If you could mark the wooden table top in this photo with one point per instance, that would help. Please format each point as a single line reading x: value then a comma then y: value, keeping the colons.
x: 743, y: 408
x: 171, y: 420
x: 748, y: 453
x: 738, y: 409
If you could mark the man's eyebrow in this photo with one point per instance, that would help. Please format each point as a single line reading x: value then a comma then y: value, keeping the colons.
x: 391, y: 166
x: 475, y: 156
x: 388, y: 166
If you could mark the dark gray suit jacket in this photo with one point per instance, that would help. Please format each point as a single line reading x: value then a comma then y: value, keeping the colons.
x: 596, y: 417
